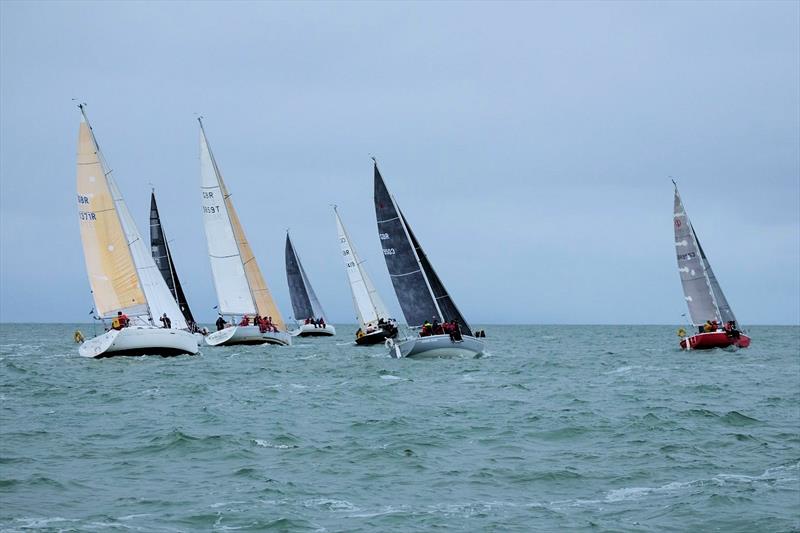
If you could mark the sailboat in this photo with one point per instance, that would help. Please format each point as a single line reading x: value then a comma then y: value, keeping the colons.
x: 375, y: 324
x: 419, y: 290
x: 163, y: 259
x: 126, y: 285
x: 708, y: 307
x: 241, y: 290
x: 306, y: 306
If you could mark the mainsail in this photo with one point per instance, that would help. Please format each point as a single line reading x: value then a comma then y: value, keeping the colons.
x: 695, y: 274
x: 159, y: 248
x: 304, y: 301
x: 368, y: 303
x: 240, y: 287
x: 419, y: 290
x: 122, y: 273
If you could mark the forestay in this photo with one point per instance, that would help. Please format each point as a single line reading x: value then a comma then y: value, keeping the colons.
x: 366, y: 300
x: 694, y: 277
x: 304, y: 300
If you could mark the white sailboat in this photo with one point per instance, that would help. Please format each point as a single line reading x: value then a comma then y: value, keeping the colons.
x: 126, y: 284
x: 375, y: 324
x: 241, y: 290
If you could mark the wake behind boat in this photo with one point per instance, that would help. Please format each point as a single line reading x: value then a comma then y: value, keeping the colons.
x: 126, y: 285
x: 709, y: 309
x: 373, y: 318
x: 426, y: 304
x: 242, y: 293
x: 308, y: 311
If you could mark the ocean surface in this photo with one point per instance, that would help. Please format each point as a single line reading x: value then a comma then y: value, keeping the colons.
x: 556, y: 428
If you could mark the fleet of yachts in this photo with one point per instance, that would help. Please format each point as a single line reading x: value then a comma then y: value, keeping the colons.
x: 138, y: 295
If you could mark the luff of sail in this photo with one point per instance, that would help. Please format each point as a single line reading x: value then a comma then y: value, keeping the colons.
x: 694, y: 278
x: 366, y: 300
x: 109, y: 263
x: 240, y: 287
x: 304, y: 300
x: 163, y: 259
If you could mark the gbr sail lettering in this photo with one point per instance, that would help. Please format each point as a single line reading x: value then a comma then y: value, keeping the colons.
x: 83, y: 200
x: 386, y: 251
x: 210, y: 209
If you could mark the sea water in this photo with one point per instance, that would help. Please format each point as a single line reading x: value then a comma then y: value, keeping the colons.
x: 555, y: 428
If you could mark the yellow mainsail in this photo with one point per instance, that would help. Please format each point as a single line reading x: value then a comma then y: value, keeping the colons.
x: 112, y: 273
x: 265, y: 305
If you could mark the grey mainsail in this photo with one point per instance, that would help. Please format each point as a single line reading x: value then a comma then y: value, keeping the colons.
x: 725, y: 311
x: 419, y: 290
x: 163, y: 258
x: 697, y: 287
x: 304, y: 301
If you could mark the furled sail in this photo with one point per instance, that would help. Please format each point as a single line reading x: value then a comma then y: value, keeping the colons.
x: 304, y: 300
x: 695, y: 279
x: 366, y: 300
x: 163, y: 259
x: 419, y: 290
x: 240, y: 287
x: 112, y: 243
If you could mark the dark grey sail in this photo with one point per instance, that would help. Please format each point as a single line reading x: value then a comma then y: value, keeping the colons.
x: 446, y: 304
x: 725, y: 311
x: 692, y: 269
x: 163, y: 258
x: 419, y: 290
x: 304, y: 301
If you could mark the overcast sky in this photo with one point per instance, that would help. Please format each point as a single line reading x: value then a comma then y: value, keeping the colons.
x: 529, y: 144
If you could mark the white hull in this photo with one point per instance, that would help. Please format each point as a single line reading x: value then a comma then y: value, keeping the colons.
x: 309, y: 330
x: 140, y: 340
x: 435, y: 346
x: 247, y: 335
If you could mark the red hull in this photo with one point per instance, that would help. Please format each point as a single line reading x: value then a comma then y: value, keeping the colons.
x: 716, y: 339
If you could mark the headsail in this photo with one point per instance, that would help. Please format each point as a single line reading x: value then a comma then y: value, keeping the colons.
x: 725, y: 311
x: 366, y: 300
x: 419, y: 290
x: 240, y: 287
x: 304, y: 300
x: 106, y: 215
x: 163, y: 258
x: 697, y: 287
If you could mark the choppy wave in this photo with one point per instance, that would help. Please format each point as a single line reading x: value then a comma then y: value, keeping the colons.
x: 564, y: 428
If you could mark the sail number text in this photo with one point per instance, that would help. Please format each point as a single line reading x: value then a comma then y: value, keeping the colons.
x: 85, y: 215
x: 388, y: 251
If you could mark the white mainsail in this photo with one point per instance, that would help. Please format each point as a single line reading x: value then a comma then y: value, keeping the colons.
x: 122, y: 272
x: 366, y: 300
x: 240, y: 287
